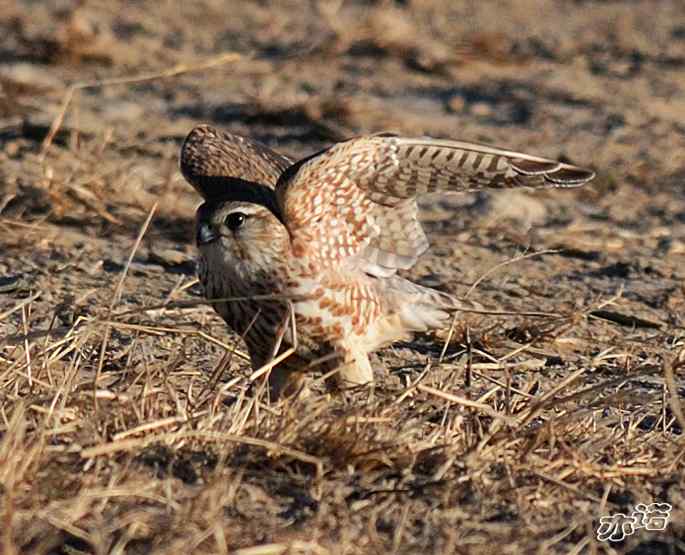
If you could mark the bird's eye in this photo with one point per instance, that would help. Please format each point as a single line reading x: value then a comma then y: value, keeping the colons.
x: 235, y: 220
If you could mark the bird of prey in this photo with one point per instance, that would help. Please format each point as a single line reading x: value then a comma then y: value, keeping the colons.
x: 306, y: 253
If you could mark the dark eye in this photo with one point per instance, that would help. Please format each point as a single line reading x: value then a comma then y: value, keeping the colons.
x: 234, y: 220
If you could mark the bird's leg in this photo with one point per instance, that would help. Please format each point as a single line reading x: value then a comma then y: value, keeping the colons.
x: 355, y: 369
x: 285, y: 382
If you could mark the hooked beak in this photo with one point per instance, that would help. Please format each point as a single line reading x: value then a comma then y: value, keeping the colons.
x: 205, y: 234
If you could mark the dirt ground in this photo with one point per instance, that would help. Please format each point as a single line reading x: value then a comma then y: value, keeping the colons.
x: 128, y: 423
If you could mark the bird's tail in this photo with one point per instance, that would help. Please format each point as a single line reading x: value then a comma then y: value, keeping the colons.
x: 422, y: 308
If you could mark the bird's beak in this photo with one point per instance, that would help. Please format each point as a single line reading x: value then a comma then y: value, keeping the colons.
x: 205, y: 234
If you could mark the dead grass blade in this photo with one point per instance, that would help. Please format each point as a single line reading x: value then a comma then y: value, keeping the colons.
x: 215, y: 61
x: 129, y: 444
x: 673, y: 397
x: 20, y: 305
x: 540, y: 403
x: 507, y: 263
x: 487, y: 409
x: 115, y: 299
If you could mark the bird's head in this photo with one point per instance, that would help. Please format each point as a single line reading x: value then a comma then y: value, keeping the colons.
x: 243, y: 237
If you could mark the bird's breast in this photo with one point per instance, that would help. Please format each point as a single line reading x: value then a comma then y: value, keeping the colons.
x: 334, y: 305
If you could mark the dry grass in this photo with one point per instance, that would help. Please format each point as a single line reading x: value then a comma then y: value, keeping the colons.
x: 119, y: 445
x: 130, y: 421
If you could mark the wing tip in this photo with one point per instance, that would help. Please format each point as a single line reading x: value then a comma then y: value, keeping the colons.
x: 570, y: 176
x: 555, y: 174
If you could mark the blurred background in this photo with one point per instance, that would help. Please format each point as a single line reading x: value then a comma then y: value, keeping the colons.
x: 96, y: 98
x: 597, y: 82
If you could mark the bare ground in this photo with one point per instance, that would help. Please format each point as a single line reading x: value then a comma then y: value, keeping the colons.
x: 127, y: 420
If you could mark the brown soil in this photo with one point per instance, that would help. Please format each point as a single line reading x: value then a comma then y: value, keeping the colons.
x: 127, y: 420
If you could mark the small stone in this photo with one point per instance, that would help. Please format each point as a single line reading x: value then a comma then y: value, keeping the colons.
x: 9, y: 284
x: 456, y: 104
x: 482, y: 109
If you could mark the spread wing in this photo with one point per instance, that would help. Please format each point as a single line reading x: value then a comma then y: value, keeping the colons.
x: 214, y: 162
x: 357, y: 199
